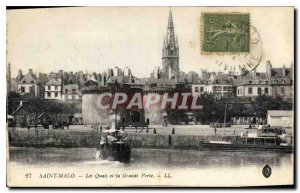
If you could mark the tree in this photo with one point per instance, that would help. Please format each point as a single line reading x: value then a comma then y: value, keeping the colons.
x: 36, y: 106
x: 238, y: 109
x: 13, y: 102
x: 263, y: 103
x: 210, y: 108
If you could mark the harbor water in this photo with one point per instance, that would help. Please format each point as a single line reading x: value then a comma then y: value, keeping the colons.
x: 167, y: 166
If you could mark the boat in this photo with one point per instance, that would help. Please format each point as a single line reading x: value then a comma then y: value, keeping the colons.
x: 260, y: 141
x: 115, y: 149
x: 268, y: 138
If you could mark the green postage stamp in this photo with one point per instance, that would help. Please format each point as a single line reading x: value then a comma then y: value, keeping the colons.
x: 225, y: 32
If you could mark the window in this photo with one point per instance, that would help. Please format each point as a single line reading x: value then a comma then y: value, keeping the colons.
x: 56, y: 94
x: 66, y: 90
x: 56, y: 87
x: 73, y: 97
x: 275, y: 89
x: 31, y: 89
x: 260, y: 82
x: 249, y: 90
x: 196, y: 89
x: 250, y: 82
x: 266, y: 82
x: 266, y: 90
x: 238, y: 91
x: 282, y: 90
x: 48, y: 94
x: 74, y: 90
x: 201, y: 89
x: 22, y: 89
x: 259, y: 91
x: 49, y: 87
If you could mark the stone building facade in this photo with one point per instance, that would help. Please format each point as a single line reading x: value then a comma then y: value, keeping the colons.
x: 27, y: 83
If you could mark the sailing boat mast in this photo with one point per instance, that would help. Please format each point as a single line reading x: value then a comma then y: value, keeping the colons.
x: 224, y: 120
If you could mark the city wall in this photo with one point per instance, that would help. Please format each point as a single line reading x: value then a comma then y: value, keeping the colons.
x: 91, y: 113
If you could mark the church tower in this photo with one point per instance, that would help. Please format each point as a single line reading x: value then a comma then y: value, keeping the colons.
x: 170, y: 52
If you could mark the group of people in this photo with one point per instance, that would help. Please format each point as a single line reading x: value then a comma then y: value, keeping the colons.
x: 112, y: 136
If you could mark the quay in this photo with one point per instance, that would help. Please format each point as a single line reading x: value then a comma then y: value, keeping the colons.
x: 184, y: 137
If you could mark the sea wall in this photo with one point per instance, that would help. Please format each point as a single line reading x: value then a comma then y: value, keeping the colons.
x: 67, y: 138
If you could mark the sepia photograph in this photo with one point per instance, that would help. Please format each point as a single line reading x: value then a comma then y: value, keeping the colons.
x: 150, y: 97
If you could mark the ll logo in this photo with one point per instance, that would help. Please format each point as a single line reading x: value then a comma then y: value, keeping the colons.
x: 267, y: 171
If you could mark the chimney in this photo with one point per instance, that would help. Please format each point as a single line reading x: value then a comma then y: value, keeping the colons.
x: 254, y: 73
x: 269, y: 69
x: 104, y: 80
x: 283, y: 71
x: 130, y: 78
x: 20, y: 74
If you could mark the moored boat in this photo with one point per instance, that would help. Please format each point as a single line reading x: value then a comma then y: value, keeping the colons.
x: 263, y: 140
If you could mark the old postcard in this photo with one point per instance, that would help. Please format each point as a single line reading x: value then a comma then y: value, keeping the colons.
x: 150, y: 97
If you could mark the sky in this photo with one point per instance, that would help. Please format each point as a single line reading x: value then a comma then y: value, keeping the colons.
x: 96, y: 38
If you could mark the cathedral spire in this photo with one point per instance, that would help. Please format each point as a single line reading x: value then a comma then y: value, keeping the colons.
x: 170, y: 30
x: 170, y: 20
x: 170, y: 52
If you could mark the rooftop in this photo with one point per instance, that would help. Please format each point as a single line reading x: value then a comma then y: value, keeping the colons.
x: 280, y: 113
